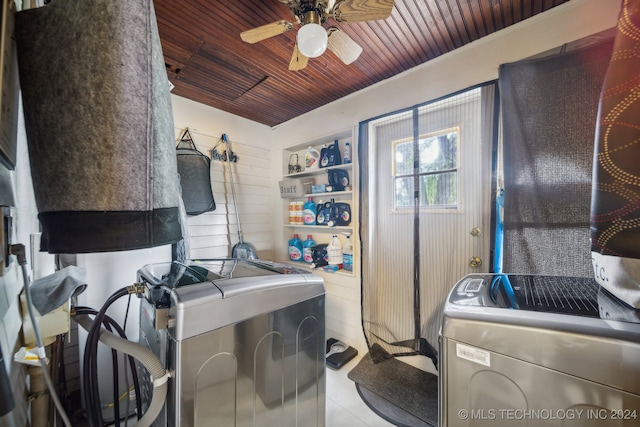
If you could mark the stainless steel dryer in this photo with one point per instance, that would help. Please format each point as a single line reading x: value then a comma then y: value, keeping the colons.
x: 245, y: 340
x: 526, y: 350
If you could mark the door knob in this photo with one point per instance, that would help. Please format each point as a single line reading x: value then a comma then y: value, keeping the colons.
x: 475, y: 262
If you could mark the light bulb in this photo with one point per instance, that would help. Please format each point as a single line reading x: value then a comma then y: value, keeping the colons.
x: 312, y: 40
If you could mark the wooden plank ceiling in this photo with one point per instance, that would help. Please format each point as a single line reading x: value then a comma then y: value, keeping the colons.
x: 208, y: 62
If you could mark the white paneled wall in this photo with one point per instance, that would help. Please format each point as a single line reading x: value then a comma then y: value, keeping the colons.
x: 213, y: 234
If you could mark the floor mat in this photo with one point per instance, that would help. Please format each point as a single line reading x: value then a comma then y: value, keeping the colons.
x: 404, y: 386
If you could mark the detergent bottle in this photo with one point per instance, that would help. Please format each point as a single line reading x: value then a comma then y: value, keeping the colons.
x: 347, y: 254
x: 311, y: 158
x: 307, y: 249
x: 334, y: 252
x: 295, y: 248
x: 322, y: 213
x: 309, y: 212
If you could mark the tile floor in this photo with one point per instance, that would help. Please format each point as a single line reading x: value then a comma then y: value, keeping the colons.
x: 345, y: 408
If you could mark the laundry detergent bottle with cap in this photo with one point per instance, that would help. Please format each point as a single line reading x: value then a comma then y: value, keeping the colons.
x: 307, y: 249
x: 311, y: 158
x: 295, y: 248
x: 309, y: 212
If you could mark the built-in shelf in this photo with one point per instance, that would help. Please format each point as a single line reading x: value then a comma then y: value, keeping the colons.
x: 321, y: 227
x: 317, y: 171
x: 318, y: 176
x: 336, y: 194
x: 320, y: 270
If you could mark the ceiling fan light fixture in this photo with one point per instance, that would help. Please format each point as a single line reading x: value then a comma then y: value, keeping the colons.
x: 312, y: 40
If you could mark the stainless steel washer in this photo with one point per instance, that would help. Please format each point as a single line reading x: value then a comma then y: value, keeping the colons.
x: 520, y: 350
x: 245, y: 340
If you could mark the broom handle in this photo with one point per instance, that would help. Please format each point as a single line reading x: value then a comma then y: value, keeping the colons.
x: 233, y: 190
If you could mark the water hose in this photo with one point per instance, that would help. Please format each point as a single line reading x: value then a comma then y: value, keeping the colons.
x: 146, y: 357
x: 111, y: 324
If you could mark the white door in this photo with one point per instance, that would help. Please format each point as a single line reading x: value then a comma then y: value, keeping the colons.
x: 454, y: 141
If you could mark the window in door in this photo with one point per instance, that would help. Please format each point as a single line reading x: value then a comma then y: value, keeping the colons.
x: 437, y: 170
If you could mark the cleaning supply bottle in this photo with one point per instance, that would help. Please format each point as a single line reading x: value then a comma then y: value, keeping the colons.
x: 322, y: 213
x: 347, y: 254
x: 307, y: 249
x: 309, y: 212
x: 311, y: 158
x: 346, y: 156
x: 295, y: 248
x: 334, y: 252
x: 324, y: 157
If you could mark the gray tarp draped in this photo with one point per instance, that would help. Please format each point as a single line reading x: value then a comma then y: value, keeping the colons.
x: 99, y: 125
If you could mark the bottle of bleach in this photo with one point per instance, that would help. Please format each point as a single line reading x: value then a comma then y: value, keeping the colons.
x: 334, y: 252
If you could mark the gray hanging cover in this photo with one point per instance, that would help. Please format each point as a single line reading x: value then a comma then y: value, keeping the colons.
x: 615, y: 202
x: 99, y: 125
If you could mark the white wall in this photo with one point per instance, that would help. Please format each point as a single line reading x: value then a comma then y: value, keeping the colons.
x: 213, y: 234
x: 469, y: 65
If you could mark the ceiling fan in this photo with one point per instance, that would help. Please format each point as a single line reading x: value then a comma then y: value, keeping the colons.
x: 313, y: 39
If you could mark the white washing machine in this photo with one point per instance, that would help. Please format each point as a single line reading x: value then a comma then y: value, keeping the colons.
x: 528, y: 350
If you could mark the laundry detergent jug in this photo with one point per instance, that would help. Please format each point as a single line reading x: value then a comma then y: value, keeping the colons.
x: 311, y: 158
x: 309, y: 212
x: 295, y: 248
x: 307, y: 249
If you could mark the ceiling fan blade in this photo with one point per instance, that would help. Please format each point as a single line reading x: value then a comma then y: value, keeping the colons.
x: 298, y: 60
x: 362, y: 10
x: 343, y: 46
x: 265, y: 31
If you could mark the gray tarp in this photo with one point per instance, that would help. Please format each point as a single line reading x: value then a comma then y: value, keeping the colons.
x: 99, y: 125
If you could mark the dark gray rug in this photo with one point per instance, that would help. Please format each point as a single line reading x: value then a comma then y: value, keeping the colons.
x: 400, y: 393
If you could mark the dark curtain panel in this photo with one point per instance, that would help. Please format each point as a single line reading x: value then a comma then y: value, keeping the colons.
x: 549, y: 115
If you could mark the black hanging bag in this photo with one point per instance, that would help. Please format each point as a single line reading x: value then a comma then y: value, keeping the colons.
x: 194, y: 169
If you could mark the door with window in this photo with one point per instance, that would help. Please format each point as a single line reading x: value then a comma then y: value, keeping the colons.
x: 426, y: 189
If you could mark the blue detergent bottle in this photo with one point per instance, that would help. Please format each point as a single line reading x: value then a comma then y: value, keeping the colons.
x: 323, y: 212
x: 307, y: 251
x: 295, y: 248
x: 309, y: 212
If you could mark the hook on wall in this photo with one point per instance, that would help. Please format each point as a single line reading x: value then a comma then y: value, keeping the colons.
x: 222, y: 156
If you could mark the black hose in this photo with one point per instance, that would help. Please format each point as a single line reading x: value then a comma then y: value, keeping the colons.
x: 132, y: 361
x: 92, y: 394
x: 111, y: 323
